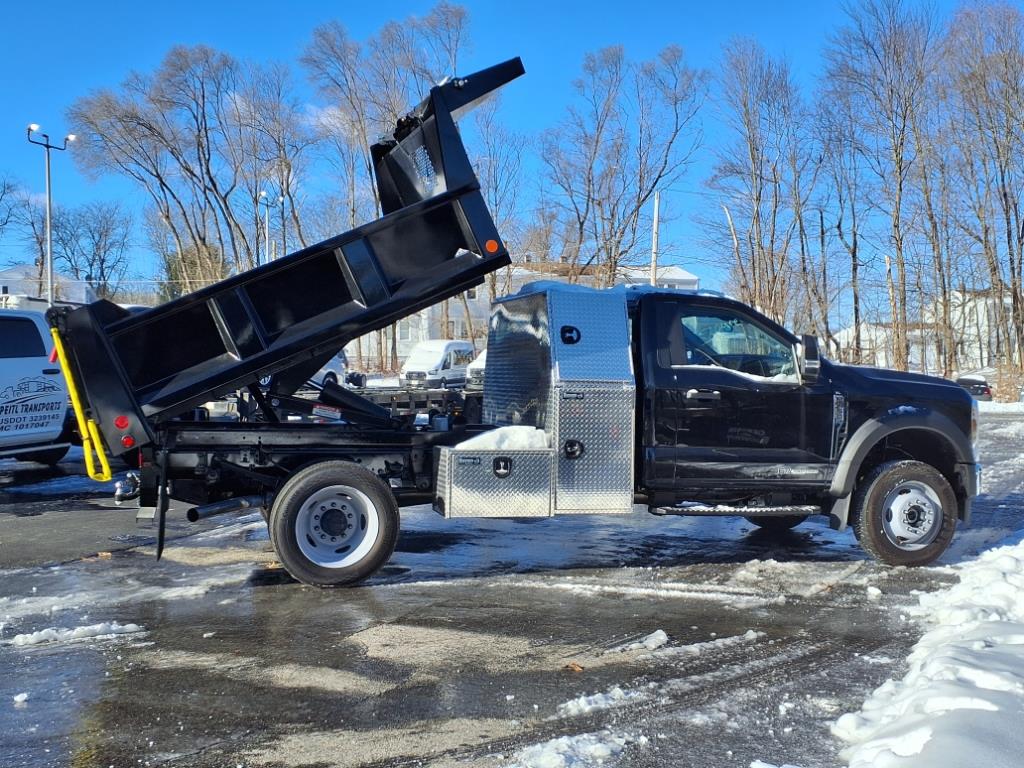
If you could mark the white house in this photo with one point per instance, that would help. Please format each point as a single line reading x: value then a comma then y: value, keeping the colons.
x: 22, y: 280
x: 974, y: 319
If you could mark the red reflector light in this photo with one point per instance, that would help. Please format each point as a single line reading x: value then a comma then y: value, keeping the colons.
x: 127, y: 441
x: 121, y: 422
x: 53, y: 355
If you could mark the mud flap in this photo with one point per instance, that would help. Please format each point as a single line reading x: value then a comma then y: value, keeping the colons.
x: 162, y: 502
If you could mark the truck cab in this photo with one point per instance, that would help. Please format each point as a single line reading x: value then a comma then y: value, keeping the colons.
x: 737, y: 413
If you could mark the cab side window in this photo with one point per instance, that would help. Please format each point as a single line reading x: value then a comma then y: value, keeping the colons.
x: 722, y: 337
x: 20, y: 338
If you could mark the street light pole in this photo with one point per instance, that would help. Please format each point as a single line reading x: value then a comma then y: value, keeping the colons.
x: 267, y: 205
x: 47, y: 146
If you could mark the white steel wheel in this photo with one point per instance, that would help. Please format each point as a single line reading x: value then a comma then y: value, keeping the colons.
x: 337, y: 526
x: 334, y: 523
x: 904, y: 513
x: 911, y: 515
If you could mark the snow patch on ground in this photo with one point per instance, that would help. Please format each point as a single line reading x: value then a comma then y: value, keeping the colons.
x: 993, y: 407
x: 730, y: 597
x: 615, y: 697
x: 581, y: 751
x: 655, y: 640
x: 696, y: 649
x: 103, y: 630
x: 507, y: 439
x: 120, y: 591
x: 962, y: 700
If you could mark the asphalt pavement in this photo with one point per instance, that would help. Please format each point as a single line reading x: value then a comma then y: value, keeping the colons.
x: 483, y: 643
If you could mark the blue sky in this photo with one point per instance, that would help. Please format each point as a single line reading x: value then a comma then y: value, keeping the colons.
x: 56, y: 55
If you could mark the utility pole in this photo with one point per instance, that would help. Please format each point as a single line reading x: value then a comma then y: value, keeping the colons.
x: 264, y: 200
x: 47, y: 146
x: 654, y: 239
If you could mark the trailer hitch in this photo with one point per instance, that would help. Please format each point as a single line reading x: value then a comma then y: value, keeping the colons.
x: 127, y: 489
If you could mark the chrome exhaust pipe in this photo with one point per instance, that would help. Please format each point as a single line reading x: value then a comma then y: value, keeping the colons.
x: 235, y: 504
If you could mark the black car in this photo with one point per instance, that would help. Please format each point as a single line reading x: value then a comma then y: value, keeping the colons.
x: 977, y: 386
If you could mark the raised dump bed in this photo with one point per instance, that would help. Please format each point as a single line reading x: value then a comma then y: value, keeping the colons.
x: 435, y: 240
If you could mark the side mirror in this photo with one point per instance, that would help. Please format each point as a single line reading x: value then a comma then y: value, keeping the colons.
x: 810, y: 360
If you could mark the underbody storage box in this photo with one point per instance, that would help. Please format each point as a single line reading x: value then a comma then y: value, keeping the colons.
x: 493, y: 483
x: 559, y: 360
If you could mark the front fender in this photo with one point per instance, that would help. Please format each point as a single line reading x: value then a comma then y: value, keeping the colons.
x: 876, y: 429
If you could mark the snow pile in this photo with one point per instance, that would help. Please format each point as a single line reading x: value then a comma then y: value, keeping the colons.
x: 962, y: 701
x: 104, y: 630
x: 584, y: 750
x: 655, y: 640
x: 616, y: 697
x: 507, y: 439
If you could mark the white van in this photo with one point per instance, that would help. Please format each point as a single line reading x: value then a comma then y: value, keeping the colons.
x: 436, y: 363
x: 35, y: 423
x: 475, y: 372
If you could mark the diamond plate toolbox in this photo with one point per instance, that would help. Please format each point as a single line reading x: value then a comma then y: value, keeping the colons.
x: 493, y: 483
x: 594, y: 439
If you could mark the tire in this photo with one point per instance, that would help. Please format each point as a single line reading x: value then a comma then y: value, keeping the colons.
x: 904, y: 513
x: 444, y: 383
x: 50, y: 456
x: 330, y: 378
x: 777, y: 523
x: 346, y: 539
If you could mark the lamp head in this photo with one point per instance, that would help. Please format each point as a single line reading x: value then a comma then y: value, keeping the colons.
x: 33, y: 127
x: 71, y: 137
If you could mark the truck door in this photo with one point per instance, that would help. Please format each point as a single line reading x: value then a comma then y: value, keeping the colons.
x: 32, y: 397
x: 724, y: 403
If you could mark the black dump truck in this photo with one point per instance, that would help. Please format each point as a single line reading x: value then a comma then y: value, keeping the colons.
x: 594, y: 401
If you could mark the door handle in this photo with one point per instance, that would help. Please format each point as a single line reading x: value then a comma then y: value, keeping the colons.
x: 51, y: 371
x: 703, y: 395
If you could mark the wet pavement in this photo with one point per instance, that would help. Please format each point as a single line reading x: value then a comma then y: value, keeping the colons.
x: 472, y: 645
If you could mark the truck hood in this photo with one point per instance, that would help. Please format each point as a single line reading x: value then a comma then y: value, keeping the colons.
x: 894, y: 388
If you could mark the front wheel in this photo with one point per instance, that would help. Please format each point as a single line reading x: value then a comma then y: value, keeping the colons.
x: 904, y: 513
x: 334, y: 523
x: 330, y: 378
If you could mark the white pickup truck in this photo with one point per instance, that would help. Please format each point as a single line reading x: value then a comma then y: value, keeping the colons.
x: 34, y: 414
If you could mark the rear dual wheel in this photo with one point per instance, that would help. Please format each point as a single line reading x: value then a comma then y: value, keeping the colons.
x: 334, y: 523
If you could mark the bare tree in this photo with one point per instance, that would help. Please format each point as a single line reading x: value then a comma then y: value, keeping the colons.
x: 370, y: 86
x: 763, y: 178
x: 633, y: 129
x: 91, y: 242
x: 882, y: 59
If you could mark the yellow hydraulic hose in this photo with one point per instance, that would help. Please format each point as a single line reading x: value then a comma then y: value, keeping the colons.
x: 91, y: 441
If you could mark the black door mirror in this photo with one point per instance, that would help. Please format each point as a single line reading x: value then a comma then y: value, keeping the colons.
x: 810, y: 361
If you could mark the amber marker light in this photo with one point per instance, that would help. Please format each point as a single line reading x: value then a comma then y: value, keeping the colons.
x: 491, y: 246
